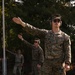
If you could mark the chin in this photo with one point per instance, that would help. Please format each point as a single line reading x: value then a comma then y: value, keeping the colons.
x: 56, y: 27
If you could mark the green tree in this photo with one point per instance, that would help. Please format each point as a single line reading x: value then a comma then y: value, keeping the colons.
x: 37, y: 13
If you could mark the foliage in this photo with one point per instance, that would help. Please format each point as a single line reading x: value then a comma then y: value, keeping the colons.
x: 37, y: 13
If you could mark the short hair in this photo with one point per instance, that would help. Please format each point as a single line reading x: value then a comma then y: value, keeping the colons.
x: 37, y: 40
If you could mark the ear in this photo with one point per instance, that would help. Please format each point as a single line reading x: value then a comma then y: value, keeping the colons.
x: 61, y: 23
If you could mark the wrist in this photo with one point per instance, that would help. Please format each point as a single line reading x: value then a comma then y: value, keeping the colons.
x: 23, y: 24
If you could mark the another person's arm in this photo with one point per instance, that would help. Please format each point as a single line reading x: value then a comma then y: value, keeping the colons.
x: 26, y: 42
x: 11, y: 52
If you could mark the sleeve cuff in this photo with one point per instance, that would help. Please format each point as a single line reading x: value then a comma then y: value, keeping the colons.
x: 23, y: 24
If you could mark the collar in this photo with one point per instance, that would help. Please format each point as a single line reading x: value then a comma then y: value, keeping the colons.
x: 58, y: 33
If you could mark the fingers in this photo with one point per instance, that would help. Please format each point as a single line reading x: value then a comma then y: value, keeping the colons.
x: 14, y: 18
x: 17, y: 20
x: 67, y: 68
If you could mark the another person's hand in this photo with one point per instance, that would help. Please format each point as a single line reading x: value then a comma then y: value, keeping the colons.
x: 17, y: 20
x: 20, y: 36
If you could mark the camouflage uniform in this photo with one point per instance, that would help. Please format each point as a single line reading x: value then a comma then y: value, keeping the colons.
x: 57, y: 49
x: 37, y: 58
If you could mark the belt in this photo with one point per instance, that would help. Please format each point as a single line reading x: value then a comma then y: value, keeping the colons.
x: 51, y: 57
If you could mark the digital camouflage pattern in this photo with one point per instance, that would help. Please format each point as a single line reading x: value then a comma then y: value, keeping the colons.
x: 57, y: 49
x: 37, y: 58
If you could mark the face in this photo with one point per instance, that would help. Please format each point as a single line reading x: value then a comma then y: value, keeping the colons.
x: 56, y: 22
x: 19, y: 51
x: 36, y: 42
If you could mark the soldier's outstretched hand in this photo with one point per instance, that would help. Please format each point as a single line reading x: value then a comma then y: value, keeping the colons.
x: 17, y: 20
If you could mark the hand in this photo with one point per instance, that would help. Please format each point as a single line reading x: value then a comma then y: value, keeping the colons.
x: 17, y: 20
x: 38, y: 66
x: 20, y: 36
x: 66, y: 67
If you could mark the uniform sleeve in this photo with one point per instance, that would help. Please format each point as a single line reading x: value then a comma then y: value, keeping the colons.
x: 35, y: 31
x: 27, y: 43
x: 41, y: 57
x: 67, y: 47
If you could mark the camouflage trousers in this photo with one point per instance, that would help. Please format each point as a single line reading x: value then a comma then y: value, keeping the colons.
x: 17, y: 67
x: 35, y: 69
x: 53, y: 67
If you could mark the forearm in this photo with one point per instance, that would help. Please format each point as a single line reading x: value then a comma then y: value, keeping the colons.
x: 11, y: 52
x: 41, y: 58
x: 26, y: 42
x: 68, y: 55
x: 68, y: 51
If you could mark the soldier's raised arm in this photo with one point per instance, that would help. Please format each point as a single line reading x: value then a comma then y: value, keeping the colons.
x: 25, y: 42
x: 29, y: 28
